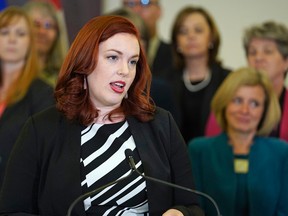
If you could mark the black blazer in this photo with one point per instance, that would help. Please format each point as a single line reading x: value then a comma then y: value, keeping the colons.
x: 39, y: 96
x: 43, y: 176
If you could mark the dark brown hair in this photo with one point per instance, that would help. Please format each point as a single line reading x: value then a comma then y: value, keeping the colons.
x: 215, y: 37
x: 73, y: 99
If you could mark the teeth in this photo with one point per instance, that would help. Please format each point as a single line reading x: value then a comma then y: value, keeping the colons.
x: 119, y: 85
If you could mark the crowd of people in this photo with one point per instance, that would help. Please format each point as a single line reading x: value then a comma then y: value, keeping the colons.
x: 68, y: 116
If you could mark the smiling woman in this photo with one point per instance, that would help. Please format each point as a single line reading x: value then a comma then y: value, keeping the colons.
x: 235, y: 167
x: 103, y: 108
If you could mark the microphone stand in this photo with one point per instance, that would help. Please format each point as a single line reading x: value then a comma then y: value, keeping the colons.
x: 90, y: 193
x: 133, y: 167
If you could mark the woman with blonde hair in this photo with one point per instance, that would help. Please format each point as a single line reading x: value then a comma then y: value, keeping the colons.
x: 245, y: 171
x: 50, y: 38
x: 21, y: 92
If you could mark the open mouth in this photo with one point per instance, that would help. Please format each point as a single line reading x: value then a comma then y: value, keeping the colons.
x: 118, y: 86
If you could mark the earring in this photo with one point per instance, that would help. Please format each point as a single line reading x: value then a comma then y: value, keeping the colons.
x: 210, y: 46
x: 85, y: 83
x: 126, y: 96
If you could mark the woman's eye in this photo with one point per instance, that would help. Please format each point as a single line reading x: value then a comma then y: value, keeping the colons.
x: 254, y: 103
x: 133, y: 62
x: 237, y: 100
x: 114, y: 58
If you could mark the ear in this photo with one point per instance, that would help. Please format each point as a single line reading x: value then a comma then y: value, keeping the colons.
x: 286, y: 64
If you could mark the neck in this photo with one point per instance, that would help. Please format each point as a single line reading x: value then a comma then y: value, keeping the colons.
x: 42, y: 58
x: 241, y: 142
x: 278, y: 84
x: 10, y: 72
x: 103, y: 116
x: 197, y: 70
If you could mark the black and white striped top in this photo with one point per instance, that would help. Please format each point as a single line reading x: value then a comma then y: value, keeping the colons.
x: 102, y: 161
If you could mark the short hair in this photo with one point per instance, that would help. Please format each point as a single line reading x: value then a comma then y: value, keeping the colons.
x: 268, y: 30
x: 213, y: 51
x: 29, y: 72
x: 247, y: 77
x: 73, y: 99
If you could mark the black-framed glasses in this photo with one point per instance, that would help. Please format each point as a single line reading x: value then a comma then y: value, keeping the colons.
x: 142, y: 3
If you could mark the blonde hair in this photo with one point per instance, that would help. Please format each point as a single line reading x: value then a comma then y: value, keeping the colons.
x: 60, y: 47
x: 19, y: 88
x: 247, y: 77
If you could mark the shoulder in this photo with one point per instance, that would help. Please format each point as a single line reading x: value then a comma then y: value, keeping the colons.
x: 272, y: 141
x: 220, y: 70
x: 202, y: 143
x: 161, y: 121
x: 47, y: 118
x: 39, y: 84
x: 273, y: 145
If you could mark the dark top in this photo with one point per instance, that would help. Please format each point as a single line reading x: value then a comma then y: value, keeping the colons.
x: 38, y: 97
x: 163, y: 61
x: 195, y: 106
x: 44, y: 177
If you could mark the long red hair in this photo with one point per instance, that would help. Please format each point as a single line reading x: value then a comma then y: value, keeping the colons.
x: 73, y: 99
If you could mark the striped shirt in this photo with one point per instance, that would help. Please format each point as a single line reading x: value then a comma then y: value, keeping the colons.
x: 103, y: 161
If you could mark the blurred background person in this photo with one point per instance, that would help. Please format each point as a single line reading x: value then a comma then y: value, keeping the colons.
x: 50, y: 37
x: 21, y: 92
x: 242, y: 169
x: 159, y: 52
x: 195, y: 42
x: 266, y: 48
x: 161, y: 90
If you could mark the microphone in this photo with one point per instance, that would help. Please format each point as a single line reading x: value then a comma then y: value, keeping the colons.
x: 91, y: 193
x: 129, y: 156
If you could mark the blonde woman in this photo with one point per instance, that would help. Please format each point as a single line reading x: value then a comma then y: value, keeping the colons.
x: 50, y: 38
x: 242, y: 169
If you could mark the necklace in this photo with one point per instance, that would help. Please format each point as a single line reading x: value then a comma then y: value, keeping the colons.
x: 196, y: 87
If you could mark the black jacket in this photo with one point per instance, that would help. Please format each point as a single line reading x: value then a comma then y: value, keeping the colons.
x: 38, y: 97
x: 44, y: 171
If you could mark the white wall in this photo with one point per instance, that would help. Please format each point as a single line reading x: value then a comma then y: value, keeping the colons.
x: 231, y: 16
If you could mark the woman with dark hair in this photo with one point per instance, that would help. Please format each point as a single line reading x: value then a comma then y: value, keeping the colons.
x: 195, y: 44
x: 103, y: 108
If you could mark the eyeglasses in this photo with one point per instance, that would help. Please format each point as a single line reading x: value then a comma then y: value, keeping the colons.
x: 142, y: 3
x: 45, y: 25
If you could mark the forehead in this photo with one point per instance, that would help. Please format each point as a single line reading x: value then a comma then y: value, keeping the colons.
x: 41, y: 13
x: 195, y: 18
x: 262, y: 41
x: 16, y: 21
x: 247, y: 91
x: 124, y: 41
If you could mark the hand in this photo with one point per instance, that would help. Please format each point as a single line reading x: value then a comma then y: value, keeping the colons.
x: 173, y: 212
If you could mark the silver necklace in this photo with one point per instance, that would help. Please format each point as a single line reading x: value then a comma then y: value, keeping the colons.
x: 196, y: 87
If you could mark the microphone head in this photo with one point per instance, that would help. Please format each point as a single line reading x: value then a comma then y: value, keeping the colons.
x: 128, y: 153
x: 130, y: 159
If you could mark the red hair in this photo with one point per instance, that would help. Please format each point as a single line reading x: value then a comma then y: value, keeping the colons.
x: 73, y: 99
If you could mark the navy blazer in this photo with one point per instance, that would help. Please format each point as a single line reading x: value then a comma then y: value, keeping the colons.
x: 43, y: 176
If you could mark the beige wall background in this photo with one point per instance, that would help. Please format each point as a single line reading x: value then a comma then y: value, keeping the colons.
x: 231, y: 16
